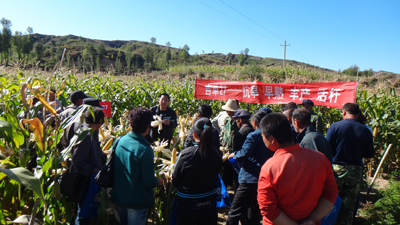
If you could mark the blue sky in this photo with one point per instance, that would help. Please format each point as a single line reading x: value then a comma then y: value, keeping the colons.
x: 329, y: 34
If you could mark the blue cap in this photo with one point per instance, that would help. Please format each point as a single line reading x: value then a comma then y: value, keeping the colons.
x: 241, y: 113
x: 266, y: 109
x: 307, y: 102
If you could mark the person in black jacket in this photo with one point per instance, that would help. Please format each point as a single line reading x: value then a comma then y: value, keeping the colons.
x: 205, y: 111
x: 169, y: 121
x: 241, y: 118
x: 87, y: 157
x: 195, y: 176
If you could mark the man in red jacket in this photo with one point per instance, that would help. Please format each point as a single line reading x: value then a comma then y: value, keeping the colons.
x: 296, y: 185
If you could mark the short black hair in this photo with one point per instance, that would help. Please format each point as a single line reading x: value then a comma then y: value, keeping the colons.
x: 352, y: 108
x: 290, y: 105
x: 302, y: 115
x: 165, y: 94
x: 205, y: 110
x: 98, y: 116
x: 290, y: 111
x: 277, y: 125
x: 257, y: 116
x: 140, y: 118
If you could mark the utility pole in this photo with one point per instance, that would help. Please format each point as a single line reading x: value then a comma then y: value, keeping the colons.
x: 284, y: 53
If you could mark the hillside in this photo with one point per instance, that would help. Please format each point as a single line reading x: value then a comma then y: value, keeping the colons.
x: 45, y: 52
x: 117, y: 50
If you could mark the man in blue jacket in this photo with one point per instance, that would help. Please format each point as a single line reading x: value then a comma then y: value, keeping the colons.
x: 351, y: 141
x: 251, y: 157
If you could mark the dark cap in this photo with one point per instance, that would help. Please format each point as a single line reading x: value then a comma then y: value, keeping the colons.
x: 93, y: 102
x: 307, y: 102
x: 76, y: 95
x: 241, y: 113
x: 266, y: 109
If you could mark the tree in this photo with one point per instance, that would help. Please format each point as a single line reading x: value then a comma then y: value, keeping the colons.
x: 352, y: 70
x: 28, y: 43
x: 246, y: 51
x: 101, y: 49
x: 39, y: 50
x: 168, y: 44
x: 242, y: 58
x: 18, y: 41
x: 167, y: 55
x: 184, y: 53
x: 148, y: 55
x: 153, y: 40
x: 128, y: 59
x: 6, y: 38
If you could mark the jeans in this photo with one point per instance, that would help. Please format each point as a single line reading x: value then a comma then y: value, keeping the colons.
x: 132, y: 216
x: 245, y: 206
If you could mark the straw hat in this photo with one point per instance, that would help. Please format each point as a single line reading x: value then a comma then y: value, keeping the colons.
x: 231, y: 105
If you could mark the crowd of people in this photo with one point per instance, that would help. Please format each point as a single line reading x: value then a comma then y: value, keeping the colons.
x: 288, y: 172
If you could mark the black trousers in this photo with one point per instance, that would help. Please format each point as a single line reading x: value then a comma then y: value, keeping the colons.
x: 245, y: 206
x: 229, y: 174
x: 202, y: 211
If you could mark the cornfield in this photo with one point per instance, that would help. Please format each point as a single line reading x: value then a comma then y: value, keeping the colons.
x: 23, y: 193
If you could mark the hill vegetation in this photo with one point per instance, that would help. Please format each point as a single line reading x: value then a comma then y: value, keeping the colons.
x: 29, y: 50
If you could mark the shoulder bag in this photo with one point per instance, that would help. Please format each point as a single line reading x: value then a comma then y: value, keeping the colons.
x: 105, y: 177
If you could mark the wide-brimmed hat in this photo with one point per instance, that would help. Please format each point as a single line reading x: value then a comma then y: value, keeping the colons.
x: 231, y: 105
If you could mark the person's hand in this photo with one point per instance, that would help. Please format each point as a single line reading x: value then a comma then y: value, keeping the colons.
x: 231, y: 155
x: 167, y: 122
x: 307, y: 221
x: 107, y: 152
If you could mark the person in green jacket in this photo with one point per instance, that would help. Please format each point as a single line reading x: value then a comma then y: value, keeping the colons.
x: 134, y: 178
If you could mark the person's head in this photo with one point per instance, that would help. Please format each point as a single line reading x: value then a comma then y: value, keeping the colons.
x: 92, y: 101
x: 290, y: 105
x: 301, y: 119
x: 205, y: 110
x: 308, y: 104
x: 77, y: 97
x: 351, y: 111
x: 231, y: 106
x: 34, y: 101
x: 96, y: 120
x: 51, y: 95
x: 203, y: 134
x: 288, y: 113
x: 164, y: 101
x: 276, y: 131
x: 266, y: 109
x: 140, y: 119
x: 241, y: 116
x: 257, y: 117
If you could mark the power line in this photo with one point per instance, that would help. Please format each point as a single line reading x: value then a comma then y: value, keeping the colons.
x: 238, y: 22
x: 300, y: 53
x: 276, y: 35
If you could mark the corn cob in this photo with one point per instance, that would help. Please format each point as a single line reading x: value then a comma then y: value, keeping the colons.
x: 23, y: 95
x: 108, y: 144
x: 173, y: 158
x: 102, y: 133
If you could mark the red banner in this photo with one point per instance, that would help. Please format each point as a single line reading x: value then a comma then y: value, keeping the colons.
x: 106, y: 108
x: 334, y: 94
